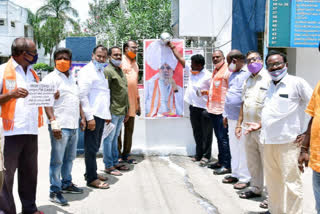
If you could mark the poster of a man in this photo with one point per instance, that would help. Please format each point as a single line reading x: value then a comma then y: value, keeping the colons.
x: 163, y: 80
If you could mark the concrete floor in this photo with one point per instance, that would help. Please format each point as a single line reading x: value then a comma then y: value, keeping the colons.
x: 156, y: 185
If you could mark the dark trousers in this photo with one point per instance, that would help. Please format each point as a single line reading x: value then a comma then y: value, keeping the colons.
x: 20, y: 152
x: 202, y: 131
x: 222, y: 136
x: 92, y: 141
x: 127, y: 141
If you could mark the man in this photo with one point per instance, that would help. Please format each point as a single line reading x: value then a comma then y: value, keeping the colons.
x: 163, y: 97
x: 95, y: 102
x: 253, y: 96
x: 1, y: 156
x: 20, y: 124
x: 119, y: 111
x: 63, y: 127
x: 130, y: 68
x: 199, y: 80
x: 240, y: 173
x: 309, y: 153
x: 215, y: 106
x: 282, y: 123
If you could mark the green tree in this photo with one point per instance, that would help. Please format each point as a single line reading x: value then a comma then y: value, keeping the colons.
x: 59, y: 9
x: 52, y: 32
x: 109, y: 20
x: 34, y: 21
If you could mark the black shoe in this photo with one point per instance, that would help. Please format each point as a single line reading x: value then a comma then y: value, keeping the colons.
x: 57, y: 197
x: 72, y: 189
x: 215, y: 165
x: 222, y: 171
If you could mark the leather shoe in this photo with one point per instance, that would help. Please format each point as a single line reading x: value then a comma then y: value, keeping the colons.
x: 215, y: 165
x: 222, y: 171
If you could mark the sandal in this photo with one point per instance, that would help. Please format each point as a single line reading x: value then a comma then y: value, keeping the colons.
x: 241, y: 185
x: 264, y: 204
x: 229, y: 180
x: 195, y: 159
x: 122, y: 167
x: 113, y: 171
x: 204, y: 162
x: 98, y: 184
x: 249, y: 194
x: 132, y: 161
x: 102, y: 178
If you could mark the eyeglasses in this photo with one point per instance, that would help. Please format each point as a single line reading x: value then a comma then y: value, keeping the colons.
x: 276, y: 64
x: 165, y: 67
x: 253, y: 59
x: 134, y: 47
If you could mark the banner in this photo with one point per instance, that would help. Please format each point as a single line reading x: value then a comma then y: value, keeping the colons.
x: 163, y: 79
x: 40, y: 94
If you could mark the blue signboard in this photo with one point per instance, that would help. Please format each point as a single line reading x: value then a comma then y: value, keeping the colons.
x: 294, y: 23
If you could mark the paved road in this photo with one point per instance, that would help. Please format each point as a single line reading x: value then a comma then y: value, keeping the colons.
x: 156, y: 185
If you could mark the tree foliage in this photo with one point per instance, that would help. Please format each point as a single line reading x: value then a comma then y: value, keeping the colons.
x: 52, y: 32
x: 59, y: 9
x: 108, y: 20
x: 34, y: 21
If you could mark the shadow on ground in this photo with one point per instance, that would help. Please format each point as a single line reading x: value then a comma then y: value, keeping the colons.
x: 53, y: 209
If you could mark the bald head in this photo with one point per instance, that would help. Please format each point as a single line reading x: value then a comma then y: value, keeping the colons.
x: 235, y: 56
x: 20, y: 45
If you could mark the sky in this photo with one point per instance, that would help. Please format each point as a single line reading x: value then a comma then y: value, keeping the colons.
x: 80, y: 5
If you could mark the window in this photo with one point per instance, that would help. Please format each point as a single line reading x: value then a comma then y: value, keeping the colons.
x: 26, y: 31
x: 1, y: 22
x: 13, y: 24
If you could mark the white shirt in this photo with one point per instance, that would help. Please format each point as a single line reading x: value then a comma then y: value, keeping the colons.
x: 94, y: 92
x: 66, y: 109
x: 283, y: 116
x: 197, y: 82
x: 25, y: 117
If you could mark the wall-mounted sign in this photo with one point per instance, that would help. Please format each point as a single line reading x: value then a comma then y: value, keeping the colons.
x: 294, y: 23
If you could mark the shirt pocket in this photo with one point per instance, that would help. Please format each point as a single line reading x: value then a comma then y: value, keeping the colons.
x: 261, y: 95
x: 283, y: 104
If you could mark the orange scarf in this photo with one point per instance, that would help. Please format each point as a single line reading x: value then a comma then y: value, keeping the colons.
x: 8, y: 108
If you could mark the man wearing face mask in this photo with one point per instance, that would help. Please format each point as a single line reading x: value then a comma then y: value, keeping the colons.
x: 253, y: 96
x: 95, y: 102
x: 282, y: 123
x: 215, y: 106
x: 130, y: 68
x: 20, y: 124
x: 63, y: 128
x: 240, y: 173
x: 198, y: 83
x: 119, y: 108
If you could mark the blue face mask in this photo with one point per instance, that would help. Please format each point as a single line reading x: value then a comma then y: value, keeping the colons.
x: 99, y: 66
x: 115, y: 62
x: 34, y: 60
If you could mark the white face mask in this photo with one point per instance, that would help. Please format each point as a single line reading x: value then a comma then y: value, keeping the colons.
x: 115, y: 62
x: 232, y: 67
x: 278, y: 74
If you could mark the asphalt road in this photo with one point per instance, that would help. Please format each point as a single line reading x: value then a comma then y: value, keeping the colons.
x: 156, y: 185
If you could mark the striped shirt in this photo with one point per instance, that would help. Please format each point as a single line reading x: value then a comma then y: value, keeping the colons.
x: 253, y: 95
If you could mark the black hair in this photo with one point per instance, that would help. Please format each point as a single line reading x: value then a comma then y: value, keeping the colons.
x: 110, y: 49
x: 253, y: 52
x: 198, y: 59
x: 19, y: 45
x: 274, y: 52
x: 236, y: 54
x: 99, y: 46
x: 125, y: 45
x: 219, y: 51
x: 60, y: 51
